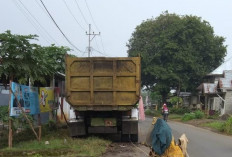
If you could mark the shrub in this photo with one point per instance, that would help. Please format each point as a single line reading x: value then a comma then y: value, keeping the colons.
x: 199, y: 114
x: 154, y: 113
x: 180, y: 110
x: 188, y: 116
x: 4, y: 113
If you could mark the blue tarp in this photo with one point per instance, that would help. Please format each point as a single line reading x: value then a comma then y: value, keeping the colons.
x: 161, y: 136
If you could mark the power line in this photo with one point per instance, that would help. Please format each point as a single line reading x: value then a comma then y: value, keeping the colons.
x: 38, y: 23
x: 73, y: 15
x: 81, y: 12
x: 90, y: 34
x: 59, y: 27
x: 101, y: 52
x: 91, y: 15
x: 29, y: 20
x: 94, y: 24
x: 102, y: 44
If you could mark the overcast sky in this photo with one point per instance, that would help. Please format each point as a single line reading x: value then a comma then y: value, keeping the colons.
x: 114, y: 19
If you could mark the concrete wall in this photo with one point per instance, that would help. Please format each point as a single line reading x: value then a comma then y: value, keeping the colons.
x: 228, y: 102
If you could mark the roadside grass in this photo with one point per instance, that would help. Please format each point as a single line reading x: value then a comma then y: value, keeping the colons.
x: 215, y: 125
x: 175, y: 116
x: 153, y: 113
x: 60, y: 144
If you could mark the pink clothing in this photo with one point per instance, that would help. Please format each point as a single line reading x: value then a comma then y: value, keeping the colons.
x: 141, y: 109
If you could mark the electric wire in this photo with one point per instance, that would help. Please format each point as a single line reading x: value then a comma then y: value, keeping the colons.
x: 94, y: 24
x: 38, y: 22
x: 42, y: 8
x: 59, y: 27
x: 29, y: 20
x: 91, y: 15
x: 101, y: 52
x: 81, y: 12
x: 96, y: 43
x: 73, y: 15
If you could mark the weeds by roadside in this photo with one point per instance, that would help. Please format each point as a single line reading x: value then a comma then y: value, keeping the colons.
x: 59, y: 144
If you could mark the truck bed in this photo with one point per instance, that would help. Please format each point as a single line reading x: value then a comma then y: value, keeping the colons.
x: 102, y: 84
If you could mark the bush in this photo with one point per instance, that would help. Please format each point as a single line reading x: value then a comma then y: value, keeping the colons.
x: 180, y: 110
x: 188, y: 116
x: 4, y: 113
x: 153, y: 113
x: 199, y: 114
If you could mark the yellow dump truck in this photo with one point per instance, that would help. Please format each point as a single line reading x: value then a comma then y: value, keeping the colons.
x: 103, y: 91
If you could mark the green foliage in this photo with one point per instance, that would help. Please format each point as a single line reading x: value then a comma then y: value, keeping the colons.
x: 180, y: 111
x: 176, y: 51
x: 51, y: 126
x: 60, y: 144
x: 193, y: 115
x: 228, y: 126
x: 215, y: 125
x: 188, y: 116
x: 176, y: 100
x: 153, y: 113
x: 22, y: 59
x: 4, y: 113
x: 21, y: 122
x: 156, y: 96
x: 199, y: 114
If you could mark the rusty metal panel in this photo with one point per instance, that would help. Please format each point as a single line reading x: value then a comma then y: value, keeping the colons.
x: 102, y: 82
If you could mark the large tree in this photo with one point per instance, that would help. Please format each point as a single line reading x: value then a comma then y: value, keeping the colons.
x: 21, y: 59
x: 177, y: 51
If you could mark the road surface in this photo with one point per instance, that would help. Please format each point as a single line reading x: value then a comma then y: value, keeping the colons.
x: 202, y: 142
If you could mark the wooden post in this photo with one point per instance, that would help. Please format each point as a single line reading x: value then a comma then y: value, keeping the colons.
x: 39, y: 124
x: 24, y: 114
x: 156, y: 107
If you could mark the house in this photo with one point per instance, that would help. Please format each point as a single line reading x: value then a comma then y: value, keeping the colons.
x: 216, y: 91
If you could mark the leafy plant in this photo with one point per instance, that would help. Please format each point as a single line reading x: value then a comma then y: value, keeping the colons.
x: 176, y: 100
x: 199, y: 114
x: 179, y: 110
x: 188, y: 116
x: 4, y: 114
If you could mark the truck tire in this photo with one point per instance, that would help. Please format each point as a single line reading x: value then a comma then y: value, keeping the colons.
x: 125, y: 138
x: 134, y: 137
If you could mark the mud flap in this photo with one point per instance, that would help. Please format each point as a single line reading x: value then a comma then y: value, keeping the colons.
x: 77, y: 128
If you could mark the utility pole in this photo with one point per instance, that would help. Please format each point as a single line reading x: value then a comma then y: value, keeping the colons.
x: 90, y: 34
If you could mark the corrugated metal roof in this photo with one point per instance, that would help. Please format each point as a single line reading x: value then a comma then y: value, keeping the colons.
x: 227, y: 65
x: 225, y: 83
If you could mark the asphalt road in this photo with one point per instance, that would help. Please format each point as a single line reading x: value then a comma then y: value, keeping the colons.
x: 203, y: 143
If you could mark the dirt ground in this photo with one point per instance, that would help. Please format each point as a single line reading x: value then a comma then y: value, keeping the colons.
x: 118, y: 149
x: 126, y: 150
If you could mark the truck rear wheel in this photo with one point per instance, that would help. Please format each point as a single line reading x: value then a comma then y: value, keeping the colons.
x: 134, y: 137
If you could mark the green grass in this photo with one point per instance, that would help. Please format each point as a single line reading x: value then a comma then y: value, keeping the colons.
x: 153, y: 113
x: 215, y: 125
x: 60, y: 144
x: 175, y: 116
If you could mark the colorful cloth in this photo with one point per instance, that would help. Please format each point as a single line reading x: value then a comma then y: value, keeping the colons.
x: 141, y: 109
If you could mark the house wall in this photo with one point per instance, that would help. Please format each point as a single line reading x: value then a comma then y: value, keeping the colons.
x: 228, y: 102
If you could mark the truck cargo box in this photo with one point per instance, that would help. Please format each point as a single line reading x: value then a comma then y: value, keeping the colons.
x: 102, y: 84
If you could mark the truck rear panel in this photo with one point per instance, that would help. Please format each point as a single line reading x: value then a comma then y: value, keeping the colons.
x: 102, y: 83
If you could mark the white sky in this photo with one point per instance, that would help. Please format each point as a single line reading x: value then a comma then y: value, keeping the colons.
x: 115, y: 19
